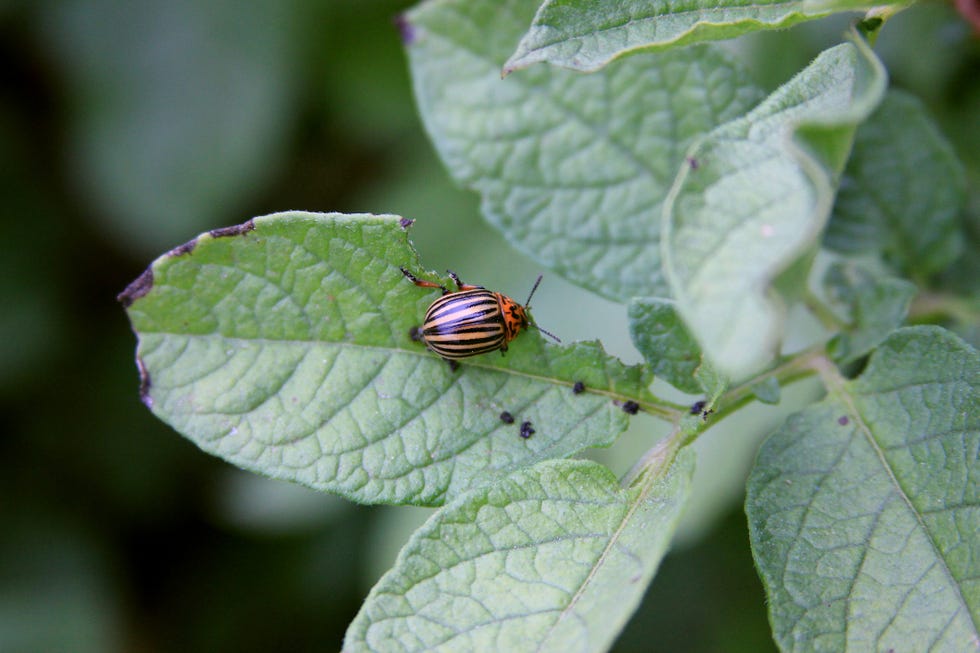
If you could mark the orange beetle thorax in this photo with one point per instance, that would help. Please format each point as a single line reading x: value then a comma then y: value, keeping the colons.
x: 515, y: 317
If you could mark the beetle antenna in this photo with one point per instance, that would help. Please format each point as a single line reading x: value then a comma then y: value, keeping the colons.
x: 531, y: 294
x: 547, y: 333
x: 527, y: 304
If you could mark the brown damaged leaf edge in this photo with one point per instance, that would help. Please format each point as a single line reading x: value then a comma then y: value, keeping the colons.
x: 180, y: 250
x: 144, y: 383
x: 144, y: 283
x: 235, y: 230
x: 137, y: 289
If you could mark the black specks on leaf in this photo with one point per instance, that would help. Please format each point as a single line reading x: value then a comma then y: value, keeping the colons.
x: 405, y: 29
x: 578, y: 388
x: 699, y: 408
x: 691, y: 161
x: 136, y: 289
x: 631, y: 407
x: 234, y: 230
x: 144, y: 383
x: 506, y: 418
x: 526, y: 430
x: 843, y: 420
x: 406, y: 223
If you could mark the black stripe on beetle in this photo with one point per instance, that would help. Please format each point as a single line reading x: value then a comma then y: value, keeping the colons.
x: 471, y: 320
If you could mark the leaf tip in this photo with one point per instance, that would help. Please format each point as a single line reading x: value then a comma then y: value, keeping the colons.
x: 139, y: 287
x: 406, y: 223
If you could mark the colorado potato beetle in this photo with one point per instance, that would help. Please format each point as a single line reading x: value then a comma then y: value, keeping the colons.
x: 471, y: 320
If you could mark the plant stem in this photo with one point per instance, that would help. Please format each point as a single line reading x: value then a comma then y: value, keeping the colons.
x: 823, y: 313
x: 790, y: 369
x: 930, y: 307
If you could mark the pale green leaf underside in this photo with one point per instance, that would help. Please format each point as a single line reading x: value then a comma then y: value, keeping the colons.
x: 669, y: 349
x: 554, y: 558
x: 285, y: 350
x: 585, y: 35
x: 864, y: 509
x: 754, y: 200
x: 902, y: 191
x: 874, y: 305
x: 573, y: 169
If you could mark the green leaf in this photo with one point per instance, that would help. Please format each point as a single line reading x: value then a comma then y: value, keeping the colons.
x: 902, y: 192
x: 283, y: 346
x: 573, y: 169
x: 554, y: 558
x: 864, y: 509
x: 579, y: 34
x: 756, y: 201
x: 874, y: 306
x: 667, y: 346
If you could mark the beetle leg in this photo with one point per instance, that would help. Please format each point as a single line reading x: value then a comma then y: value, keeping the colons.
x: 460, y: 284
x: 423, y: 284
x: 453, y: 365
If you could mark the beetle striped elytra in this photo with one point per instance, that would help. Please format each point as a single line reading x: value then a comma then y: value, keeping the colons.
x: 471, y: 320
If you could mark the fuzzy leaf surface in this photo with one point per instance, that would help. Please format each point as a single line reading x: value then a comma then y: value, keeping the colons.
x: 668, y: 347
x: 283, y: 347
x: 585, y: 35
x: 864, y: 509
x: 573, y: 169
x: 755, y: 204
x: 874, y: 305
x: 553, y: 558
x: 902, y: 192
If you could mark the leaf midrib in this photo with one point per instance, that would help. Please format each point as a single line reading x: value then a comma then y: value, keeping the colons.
x: 839, y: 388
x: 388, y: 350
x: 638, y: 500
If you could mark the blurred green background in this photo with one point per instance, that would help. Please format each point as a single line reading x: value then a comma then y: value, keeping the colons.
x: 126, y: 128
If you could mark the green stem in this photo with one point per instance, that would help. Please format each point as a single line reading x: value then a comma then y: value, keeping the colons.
x: 688, y: 428
x: 789, y: 370
x: 931, y: 307
x: 870, y: 26
x: 657, y: 458
x: 823, y: 313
